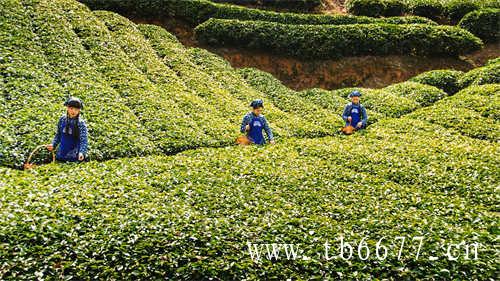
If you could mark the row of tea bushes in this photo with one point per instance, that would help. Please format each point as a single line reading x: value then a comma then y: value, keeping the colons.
x: 213, y: 111
x: 217, y: 74
x: 198, y: 11
x: 333, y: 41
x: 445, y: 79
x: 472, y: 112
x: 190, y: 216
x: 289, y: 5
x: 37, y: 83
x: 454, y: 10
x: 392, y: 101
x: 326, y: 122
x: 484, y: 23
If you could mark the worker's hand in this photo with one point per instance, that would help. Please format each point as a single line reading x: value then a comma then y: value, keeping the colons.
x: 247, y: 128
x: 49, y: 147
x: 272, y: 142
x: 80, y: 157
x: 360, y: 124
x: 349, y: 118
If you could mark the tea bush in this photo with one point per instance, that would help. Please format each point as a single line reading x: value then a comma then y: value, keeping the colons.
x: 488, y: 74
x: 333, y: 41
x: 452, y: 10
x: 37, y: 82
x: 154, y: 221
x: 217, y: 72
x: 322, y: 122
x: 198, y: 11
x: 467, y: 116
x: 293, y: 5
x: 386, y: 103
x: 425, y: 95
x: 484, y: 23
x: 446, y: 80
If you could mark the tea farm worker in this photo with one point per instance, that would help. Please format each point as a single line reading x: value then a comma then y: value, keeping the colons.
x: 71, y: 136
x: 254, y: 123
x: 354, y: 112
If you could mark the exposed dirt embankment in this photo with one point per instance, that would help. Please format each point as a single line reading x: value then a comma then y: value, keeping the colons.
x: 367, y: 71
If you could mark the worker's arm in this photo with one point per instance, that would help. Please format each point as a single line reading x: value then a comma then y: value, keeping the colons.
x: 364, y: 116
x: 83, y: 141
x: 244, y: 123
x: 346, y: 113
x: 268, y: 130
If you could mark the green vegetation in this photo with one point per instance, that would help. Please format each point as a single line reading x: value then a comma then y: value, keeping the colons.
x: 483, y: 23
x: 453, y: 10
x: 424, y: 95
x: 469, y: 112
x: 190, y: 216
x: 426, y: 166
x: 488, y: 74
x: 446, y: 80
x: 333, y: 41
x: 198, y: 11
x: 375, y: 8
x: 292, y: 5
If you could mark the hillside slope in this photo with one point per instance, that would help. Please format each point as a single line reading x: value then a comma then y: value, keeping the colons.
x: 426, y: 166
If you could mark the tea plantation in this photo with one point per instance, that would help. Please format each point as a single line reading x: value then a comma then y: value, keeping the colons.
x: 168, y: 196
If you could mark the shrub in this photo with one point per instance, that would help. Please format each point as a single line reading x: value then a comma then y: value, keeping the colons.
x: 292, y: 5
x: 425, y: 95
x: 393, y: 8
x: 467, y: 112
x: 383, y: 102
x: 217, y: 72
x: 330, y: 41
x: 198, y: 11
x: 484, y: 99
x: 457, y: 9
x: 446, y: 80
x: 375, y: 8
x: 153, y: 217
x: 371, y: 8
x: 35, y: 71
x: 322, y: 122
x: 484, y: 23
x: 489, y: 74
x: 432, y: 9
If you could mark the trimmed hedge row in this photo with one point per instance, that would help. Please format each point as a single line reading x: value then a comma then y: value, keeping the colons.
x: 424, y: 95
x: 156, y: 220
x: 484, y: 23
x: 446, y: 80
x: 335, y: 103
x: 465, y: 112
x: 186, y: 88
x: 217, y: 73
x: 331, y: 41
x: 488, y: 74
x: 198, y: 11
x: 323, y: 122
x: 292, y: 5
x: 454, y: 10
x: 37, y: 81
x: 375, y: 8
x: 392, y: 101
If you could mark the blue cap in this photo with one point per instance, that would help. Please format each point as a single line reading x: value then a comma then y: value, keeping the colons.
x: 354, y: 94
x: 257, y: 103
